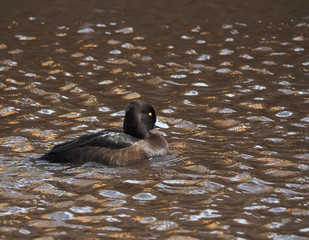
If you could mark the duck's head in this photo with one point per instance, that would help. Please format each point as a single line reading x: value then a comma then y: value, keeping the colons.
x: 140, y: 118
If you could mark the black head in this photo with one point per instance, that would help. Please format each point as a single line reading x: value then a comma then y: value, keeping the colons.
x: 140, y: 118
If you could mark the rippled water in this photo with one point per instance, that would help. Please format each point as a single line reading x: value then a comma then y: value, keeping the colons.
x: 230, y: 78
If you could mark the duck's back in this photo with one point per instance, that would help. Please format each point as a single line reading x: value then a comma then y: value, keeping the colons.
x: 108, y: 147
x: 65, y: 152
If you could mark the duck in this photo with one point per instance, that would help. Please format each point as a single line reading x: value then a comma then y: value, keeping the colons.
x: 111, y: 147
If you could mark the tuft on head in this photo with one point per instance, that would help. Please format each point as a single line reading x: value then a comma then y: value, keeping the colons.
x: 140, y: 118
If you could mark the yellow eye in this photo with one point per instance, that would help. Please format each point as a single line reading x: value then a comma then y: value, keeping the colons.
x: 150, y: 114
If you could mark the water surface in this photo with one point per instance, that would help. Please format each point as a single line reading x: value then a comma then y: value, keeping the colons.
x: 230, y: 78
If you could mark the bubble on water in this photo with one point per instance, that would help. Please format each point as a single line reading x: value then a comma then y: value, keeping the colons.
x: 285, y: 83
x: 191, y: 93
x: 298, y: 38
x: 229, y: 40
x: 8, y: 111
x: 13, y: 210
x: 245, y: 156
x: 104, y: 109
x: 227, y: 110
x: 253, y: 188
x: 259, y: 87
x: 276, y: 140
x: 89, y: 119
x: 191, y: 52
x: 89, y: 58
x: 234, y: 32
x: 127, y: 45
x: 203, y: 57
x: 223, y: 70
x: 3, y: 46
x: 256, y: 207
x: 304, y: 229
x: 275, y: 225
x: 303, y: 156
x: 284, y: 114
x: 46, y: 111
x: 260, y: 118
x: 279, y: 54
x: 115, y: 52
x: 78, y: 209
x: 277, y: 209
x: 9, y: 63
x: 177, y: 76
x: 85, y: 30
x: 176, y: 182
x: 24, y: 38
x: 101, y: 25
x: 141, y: 182
x: 225, y: 52
x: 299, y: 49
x: 227, y: 26
x: 196, y: 71
x: 246, y: 56
x: 147, y: 219
x: 98, y: 67
x: 241, y: 221
x: 61, y: 215
x: 200, y: 84
x: 196, y: 29
x: 263, y: 49
x: 144, y: 196
x: 269, y: 63
x: 200, y: 41
x: 126, y: 30
x: 62, y: 28
x: 105, y: 82
x: 167, y: 111
x: 164, y: 225
x: 112, y: 194
x: 24, y: 231
x: 61, y: 34
x: 185, y: 37
x: 305, y: 119
x: 208, y: 213
x: 68, y: 74
x: 30, y: 74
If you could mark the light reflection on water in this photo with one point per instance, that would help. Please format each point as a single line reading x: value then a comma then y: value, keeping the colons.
x: 232, y: 87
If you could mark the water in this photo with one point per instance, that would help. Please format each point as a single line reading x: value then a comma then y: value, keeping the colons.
x: 230, y: 78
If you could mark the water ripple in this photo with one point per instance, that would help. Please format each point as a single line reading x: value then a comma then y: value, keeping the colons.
x: 233, y: 93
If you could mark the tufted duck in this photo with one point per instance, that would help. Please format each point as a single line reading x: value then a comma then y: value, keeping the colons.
x: 136, y: 143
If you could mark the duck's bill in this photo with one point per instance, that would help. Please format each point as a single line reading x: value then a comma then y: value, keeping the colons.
x: 160, y: 124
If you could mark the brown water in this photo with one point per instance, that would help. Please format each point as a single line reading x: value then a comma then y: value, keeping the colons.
x: 231, y: 80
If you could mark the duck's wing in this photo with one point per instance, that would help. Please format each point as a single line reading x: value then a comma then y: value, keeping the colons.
x: 104, y: 139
